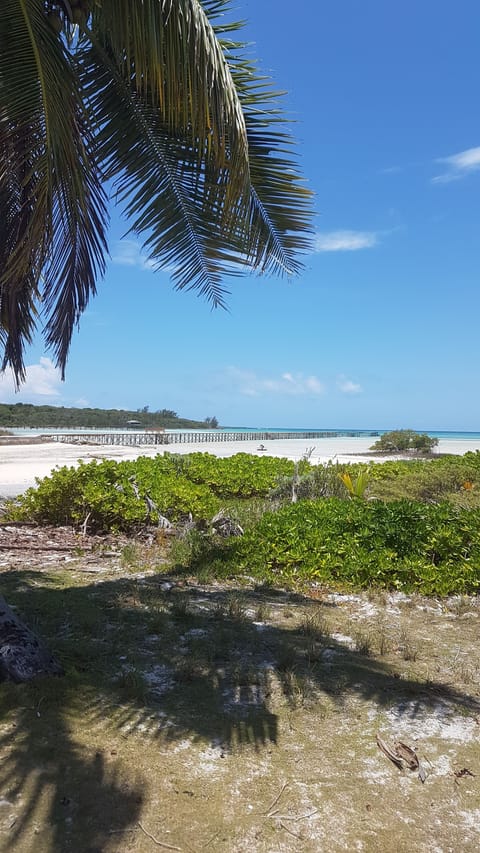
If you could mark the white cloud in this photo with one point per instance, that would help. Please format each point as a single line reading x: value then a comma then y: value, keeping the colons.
x: 129, y: 253
x: 458, y: 165
x: 43, y: 380
x: 346, y: 386
x: 345, y: 241
x: 251, y: 385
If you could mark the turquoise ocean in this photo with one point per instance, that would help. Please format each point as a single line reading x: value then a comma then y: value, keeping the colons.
x: 331, y: 432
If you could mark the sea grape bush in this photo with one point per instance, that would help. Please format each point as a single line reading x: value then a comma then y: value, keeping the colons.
x: 405, y: 545
x: 418, y: 530
x: 241, y: 475
x: 113, y: 495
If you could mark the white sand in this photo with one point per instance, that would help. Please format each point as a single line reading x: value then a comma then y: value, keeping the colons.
x: 21, y: 464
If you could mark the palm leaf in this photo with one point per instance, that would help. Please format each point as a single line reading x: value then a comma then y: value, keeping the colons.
x: 157, y: 177
x: 179, y: 195
x: 56, y: 204
x: 277, y: 211
x: 156, y: 97
x: 171, y: 51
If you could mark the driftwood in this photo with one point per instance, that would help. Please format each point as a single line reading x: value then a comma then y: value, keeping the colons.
x: 402, y: 755
x: 225, y: 526
x: 22, y: 655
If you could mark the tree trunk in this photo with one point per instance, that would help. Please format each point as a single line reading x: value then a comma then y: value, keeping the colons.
x: 22, y: 655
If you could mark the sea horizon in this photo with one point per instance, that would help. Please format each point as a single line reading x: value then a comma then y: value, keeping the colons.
x: 333, y: 432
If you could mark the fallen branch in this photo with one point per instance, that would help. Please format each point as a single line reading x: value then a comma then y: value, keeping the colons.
x: 299, y: 837
x: 84, y: 525
x: 52, y: 547
x: 296, y: 818
x: 156, y: 841
x: 394, y: 758
x: 269, y: 810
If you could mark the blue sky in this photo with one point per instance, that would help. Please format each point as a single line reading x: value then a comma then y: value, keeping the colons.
x: 381, y: 330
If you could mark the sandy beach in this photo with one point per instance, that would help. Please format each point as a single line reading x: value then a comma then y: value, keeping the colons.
x: 20, y: 465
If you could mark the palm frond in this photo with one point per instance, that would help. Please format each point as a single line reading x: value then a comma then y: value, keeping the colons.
x: 275, y: 216
x: 194, y: 215
x: 155, y: 96
x: 158, y: 178
x: 48, y: 174
x: 170, y: 50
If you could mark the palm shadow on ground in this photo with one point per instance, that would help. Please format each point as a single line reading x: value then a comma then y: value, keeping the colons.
x: 190, y: 662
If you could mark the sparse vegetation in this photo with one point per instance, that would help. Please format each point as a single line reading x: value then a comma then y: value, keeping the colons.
x: 171, y: 688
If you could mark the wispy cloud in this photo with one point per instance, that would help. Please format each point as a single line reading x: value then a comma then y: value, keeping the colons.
x: 345, y: 241
x: 251, y: 385
x: 129, y: 253
x: 43, y: 380
x: 390, y: 170
x: 458, y: 165
x: 346, y: 386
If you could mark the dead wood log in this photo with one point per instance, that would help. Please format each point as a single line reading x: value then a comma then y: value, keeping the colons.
x: 23, y: 656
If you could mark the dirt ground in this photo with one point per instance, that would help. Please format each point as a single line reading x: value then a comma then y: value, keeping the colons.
x: 229, y: 717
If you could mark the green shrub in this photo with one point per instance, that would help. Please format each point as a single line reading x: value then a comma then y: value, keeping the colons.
x: 432, y: 549
x: 112, y: 496
x: 241, y: 475
x: 405, y: 441
x: 452, y: 478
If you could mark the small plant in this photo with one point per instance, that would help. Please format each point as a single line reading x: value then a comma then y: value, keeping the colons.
x: 133, y: 683
x: 297, y: 687
x: 357, y: 487
x: 410, y: 651
x: 382, y: 639
x: 314, y: 625
x: 180, y: 607
x: 288, y: 613
x: 158, y: 622
x: 292, y: 687
x: 408, y: 647
x: 130, y: 556
x: 286, y: 658
x: 236, y: 607
x: 218, y: 610
x: 363, y: 642
x: 263, y: 612
x: 461, y: 604
x: 467, y: 673
x: 377, y: 596
x: 189, y: 668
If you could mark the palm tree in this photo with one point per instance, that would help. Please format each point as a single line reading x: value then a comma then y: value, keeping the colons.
x: 154, y: 104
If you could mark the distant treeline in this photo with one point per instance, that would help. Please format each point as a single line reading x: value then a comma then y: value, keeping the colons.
x: 28, y: 415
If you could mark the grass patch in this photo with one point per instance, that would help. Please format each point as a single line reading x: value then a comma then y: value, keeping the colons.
x: 180, y: 696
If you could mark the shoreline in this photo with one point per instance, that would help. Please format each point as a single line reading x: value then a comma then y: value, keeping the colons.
x: 21, y: 464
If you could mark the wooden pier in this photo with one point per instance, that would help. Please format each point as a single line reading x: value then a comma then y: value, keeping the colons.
x: 137, y: 439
